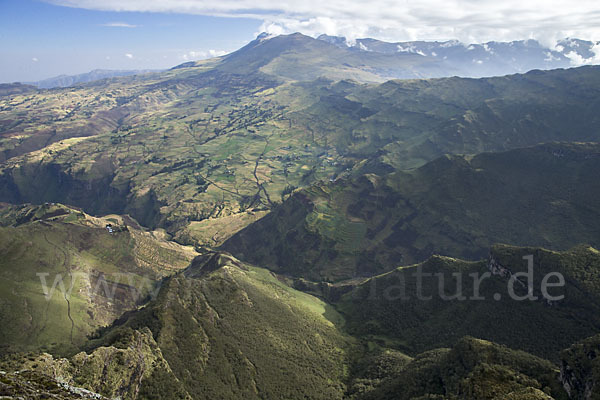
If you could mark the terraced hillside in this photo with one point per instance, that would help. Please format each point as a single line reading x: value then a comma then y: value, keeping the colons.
x: 455, y: 206
x: 64, y: 274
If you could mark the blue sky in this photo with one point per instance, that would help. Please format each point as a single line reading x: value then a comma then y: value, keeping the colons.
x: 45, y: 38
x: 40, y: 40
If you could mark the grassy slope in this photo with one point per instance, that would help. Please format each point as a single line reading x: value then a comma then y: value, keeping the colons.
x: 57, y: 240
x: 239, y: 332
x: 219, y: 329
x: 455, y: 206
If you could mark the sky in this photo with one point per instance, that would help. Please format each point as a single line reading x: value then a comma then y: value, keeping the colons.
x: 45, y: 38
x: 39, y: 40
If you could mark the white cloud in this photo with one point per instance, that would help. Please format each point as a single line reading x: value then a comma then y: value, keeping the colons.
x: 129, y: 55
x: 272, y: 29
x: 488, y: 48
x: 577, y: 59
x: 450, y: 43
x: 596, y: 50
x: 467, y: 20
x: 550, y: 57
x: 216, y: 53
x: 35, y: 59
x: 200, y: 55
x: 411, y: 49
x: 119, y: 25
x: 193, y: 55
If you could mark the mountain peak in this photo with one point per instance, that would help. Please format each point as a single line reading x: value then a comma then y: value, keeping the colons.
x: 210, y: 262
x: 265, y: 36
x: 337, y: 40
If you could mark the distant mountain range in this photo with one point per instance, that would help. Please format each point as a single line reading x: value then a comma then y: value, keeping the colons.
x: 97, y: 74
x: 301, y: 57
x: 485, y: 59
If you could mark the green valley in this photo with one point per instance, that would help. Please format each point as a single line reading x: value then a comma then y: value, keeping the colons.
x: 455, y: 206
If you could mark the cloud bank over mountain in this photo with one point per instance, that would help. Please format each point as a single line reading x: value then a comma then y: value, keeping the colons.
x: 466, y: 20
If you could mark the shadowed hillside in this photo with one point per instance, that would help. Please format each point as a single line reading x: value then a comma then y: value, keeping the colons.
x: 399, y: 309
x: 472, y: 370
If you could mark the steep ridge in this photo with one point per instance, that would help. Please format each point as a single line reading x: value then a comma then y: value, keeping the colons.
x: 435, y: 303
x: 119, y: 370
x: 403, y: 124
x: 471, y: 370
x: 580, y: 369
x: 230, y: 330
